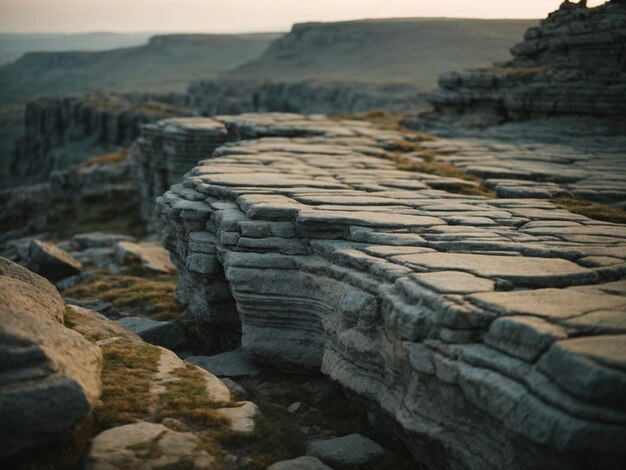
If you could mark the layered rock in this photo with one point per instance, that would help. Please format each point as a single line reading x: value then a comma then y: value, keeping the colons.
x: 571, y: 64
x: 485, y: 333
x: 50, y: 375
x: 236, y: 96
x: 63, y: 131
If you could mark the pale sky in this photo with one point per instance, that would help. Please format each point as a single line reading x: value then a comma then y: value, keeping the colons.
x: 225, y: 16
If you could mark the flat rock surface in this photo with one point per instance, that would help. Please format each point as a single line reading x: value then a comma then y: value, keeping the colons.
x: 449, y: 313
x: 352, y: 450
x: 161, y: 333
x: 228, y: 364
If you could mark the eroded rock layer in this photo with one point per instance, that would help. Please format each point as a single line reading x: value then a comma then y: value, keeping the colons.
x: 63, y: 131
x: 571, y: 64
x: 235, y: 96
x: 486, y: 333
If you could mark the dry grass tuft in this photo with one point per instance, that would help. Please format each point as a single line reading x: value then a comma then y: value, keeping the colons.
x: 188, y: 401
x: 153, y: 297
x: 592, y: 210
x: 112, y: 158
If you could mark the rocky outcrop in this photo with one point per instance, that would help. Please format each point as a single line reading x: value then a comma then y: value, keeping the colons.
x: 571, y: 64
x: 50, y: 375
x: 236, y: 96
x: 473, y: 329
x: 63, y: 131
x: 52, y: 262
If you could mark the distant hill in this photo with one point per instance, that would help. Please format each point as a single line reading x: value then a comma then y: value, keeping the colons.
x: 164, y: 64
x: 413, y: 50
x: 15, y: 45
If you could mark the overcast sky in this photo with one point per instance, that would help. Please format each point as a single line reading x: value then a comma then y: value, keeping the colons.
x: 240, y: 15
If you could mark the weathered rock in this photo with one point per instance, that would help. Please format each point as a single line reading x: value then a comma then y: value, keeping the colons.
x: 50, y: 375
x: 301, y: 463
x: 147, y: 445
x: 228, y: 364
x: 152, y: 256
x: 328, y: 257
x: 63, y: 131
x: 569, y: 64
x: 352, y: 450
x: 241, y: 417
x: 51, y: 262
x: 161, y: 333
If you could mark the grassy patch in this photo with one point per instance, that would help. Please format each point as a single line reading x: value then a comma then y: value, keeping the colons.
x: 386, y: 120
x: 126, y: 373
x: 276, y: 436
x: 112, y: 158
x: 592, y: 210
x: 152, y: 297
x: 187, y: 400
x: 430, y: 165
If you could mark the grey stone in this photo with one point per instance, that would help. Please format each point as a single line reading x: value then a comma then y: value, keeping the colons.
x: 52, y: 262
x: 350, y: 450
x: 161, y: 333
x: 301, y: 463
x: 228, y: 364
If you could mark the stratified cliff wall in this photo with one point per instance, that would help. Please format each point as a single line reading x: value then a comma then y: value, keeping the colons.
x: 481, y: 332
x: 236, y: 96
x: 573, y: 63
x: 63, y: 131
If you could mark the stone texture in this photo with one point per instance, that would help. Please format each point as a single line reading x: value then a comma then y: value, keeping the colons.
x: 569, y: 64
x: 452, y: 333
x: 52, y: 262
x: 161, y: 333
x: 152, y: 256
x: 50, y: 375
x: 352, y: 450
x: 301, y: 463
x: 147, y: 445
x: 228, y: 364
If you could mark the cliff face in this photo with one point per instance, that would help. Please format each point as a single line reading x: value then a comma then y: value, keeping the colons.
x: 573, y: 63
x: 408, y: 50
x: 212, y: 97
x: 60, y: 132
x: 467, y: 326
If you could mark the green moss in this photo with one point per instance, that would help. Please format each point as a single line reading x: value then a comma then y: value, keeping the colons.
x: 592, y: 210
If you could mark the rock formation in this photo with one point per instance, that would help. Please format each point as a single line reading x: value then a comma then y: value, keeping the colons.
x: 63, y: 131
x: 49, y: 375
x: 484, y: 333
x: 571, y: 64
x: 236, y: 96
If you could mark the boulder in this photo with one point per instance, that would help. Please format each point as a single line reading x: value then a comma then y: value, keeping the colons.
x: 301, y: 463
x: 147, y: 445
x: 152, y: 256
x: 161, y: 333
x: 49, y: 374
x: 352, y: 450
x: 228, y: 364
x: 52, y: 262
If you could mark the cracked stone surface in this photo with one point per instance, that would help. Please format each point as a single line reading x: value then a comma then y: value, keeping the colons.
x: 485, y: 333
